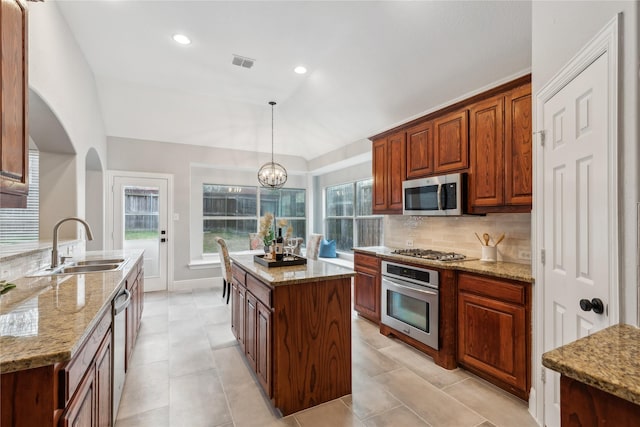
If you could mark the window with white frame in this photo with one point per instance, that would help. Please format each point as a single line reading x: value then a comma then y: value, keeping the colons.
x: 231, y: 212
x: 22, y: 225
x: 348, y: 215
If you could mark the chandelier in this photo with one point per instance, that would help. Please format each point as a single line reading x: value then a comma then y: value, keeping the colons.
x: 272, y: 175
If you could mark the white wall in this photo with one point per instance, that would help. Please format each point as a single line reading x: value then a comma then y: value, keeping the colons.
x: 221, y: 165
x: 58, y: 176
x: 60, y: 75
x: 560, y: 29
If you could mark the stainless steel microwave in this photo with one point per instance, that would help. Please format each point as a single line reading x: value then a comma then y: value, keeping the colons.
x: 437, y: 195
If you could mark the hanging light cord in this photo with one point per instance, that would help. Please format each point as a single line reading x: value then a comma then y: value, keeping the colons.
x: 272, y: 103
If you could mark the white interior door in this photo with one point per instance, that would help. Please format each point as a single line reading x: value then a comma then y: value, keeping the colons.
x: 577, y: 239
x: 140, y: 220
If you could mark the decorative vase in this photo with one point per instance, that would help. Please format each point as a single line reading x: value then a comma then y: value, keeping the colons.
x: 267, y: 249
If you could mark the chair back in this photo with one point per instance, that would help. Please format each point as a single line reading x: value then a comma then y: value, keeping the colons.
x: 255, y: 241
x: 313, y: 246
x: 225, y: 261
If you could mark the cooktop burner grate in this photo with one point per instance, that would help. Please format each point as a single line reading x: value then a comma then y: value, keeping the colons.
x: 430, y: 254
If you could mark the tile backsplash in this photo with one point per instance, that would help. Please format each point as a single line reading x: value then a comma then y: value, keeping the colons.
x: 21, y: 259
x: 456, y: 234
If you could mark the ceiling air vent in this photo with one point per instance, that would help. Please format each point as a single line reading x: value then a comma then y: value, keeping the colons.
x: 242, y: 61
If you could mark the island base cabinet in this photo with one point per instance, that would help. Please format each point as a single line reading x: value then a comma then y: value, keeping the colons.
x: 311, y: 344
x: 582, y: 405
x: 296, y: 338
x: 29, y: 398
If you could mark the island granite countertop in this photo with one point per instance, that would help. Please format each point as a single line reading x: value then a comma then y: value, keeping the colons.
x: 313, y: 271
x: 505, y: 270
x: 44, y: 320
x: 608, y: 360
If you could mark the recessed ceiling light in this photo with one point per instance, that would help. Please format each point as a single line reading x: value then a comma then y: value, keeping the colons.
x: 300, y: 69
x: 181, y: 38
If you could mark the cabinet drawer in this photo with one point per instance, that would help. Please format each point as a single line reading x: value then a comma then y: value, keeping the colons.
x: 371, y: 261
x: 239, y: 275
x: 499, y: 289
x: 71, y: 375
x: 261, y: 291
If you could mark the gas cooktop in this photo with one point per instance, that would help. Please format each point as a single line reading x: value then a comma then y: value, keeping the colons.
x: 430, y: 254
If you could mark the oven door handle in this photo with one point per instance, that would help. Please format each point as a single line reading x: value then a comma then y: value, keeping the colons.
x: 439, y: 196
x: 396, y: 283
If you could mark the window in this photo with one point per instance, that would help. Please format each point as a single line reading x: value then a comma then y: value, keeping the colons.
x: 231, y: 212
x: 286, y: 204
x: 348, y: 216
x: 22, y: 225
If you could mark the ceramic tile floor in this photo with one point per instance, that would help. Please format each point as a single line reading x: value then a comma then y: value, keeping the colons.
x: 187, y: 371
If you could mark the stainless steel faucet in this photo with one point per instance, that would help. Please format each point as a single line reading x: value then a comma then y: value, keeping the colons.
x: 54, y: 251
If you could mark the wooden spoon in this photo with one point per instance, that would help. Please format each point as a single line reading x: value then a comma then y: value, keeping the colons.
x: 486, y: 237
x: 499, y: 239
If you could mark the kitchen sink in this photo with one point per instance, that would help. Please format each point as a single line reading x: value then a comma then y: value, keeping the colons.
x: 99, y: 261
x: 84, y: 266
x: 87, y: 268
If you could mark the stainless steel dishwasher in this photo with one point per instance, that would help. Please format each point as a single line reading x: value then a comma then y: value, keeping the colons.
x: 120, y: 304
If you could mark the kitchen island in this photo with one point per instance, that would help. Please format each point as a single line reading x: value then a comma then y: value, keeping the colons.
x: 600, y: 378
x: 57, y: 341
x: 293, y: 325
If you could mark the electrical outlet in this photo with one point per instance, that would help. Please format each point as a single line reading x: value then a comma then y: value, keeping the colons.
x: 409, y: 243
x: 522, y: 254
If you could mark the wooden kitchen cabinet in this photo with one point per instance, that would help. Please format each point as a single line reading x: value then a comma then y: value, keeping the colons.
x: 297, y: 337
x: 518, y: 188
x: 500, y: 172
x: 494, y: 331
x: 451, y: 142
x: 251, y: 323
x: 81, y: 410
x: 486, y: 178
x: 133, y: 315
x: 104, y: 371
x: 366, y: 298
x: 389, y: 170
x: 14, y: 140
x: 263, y: 343
x: 91, y: 403
x: 584, y: 405
x: 420, y: 151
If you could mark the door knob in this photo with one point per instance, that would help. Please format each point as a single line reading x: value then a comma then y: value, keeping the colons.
x: 595, y: 304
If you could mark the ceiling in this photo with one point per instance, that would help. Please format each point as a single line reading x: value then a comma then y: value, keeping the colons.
x: 371, y: 65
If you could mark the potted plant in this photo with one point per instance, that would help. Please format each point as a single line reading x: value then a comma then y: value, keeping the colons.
x: 267, y: 231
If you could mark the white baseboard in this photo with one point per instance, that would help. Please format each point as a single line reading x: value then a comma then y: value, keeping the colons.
x: 205, y: 283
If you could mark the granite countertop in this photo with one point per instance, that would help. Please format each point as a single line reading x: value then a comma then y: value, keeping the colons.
x: 44, y: 320
x: 313, y: 271
x: 608, y: 360
x: 505, y: 270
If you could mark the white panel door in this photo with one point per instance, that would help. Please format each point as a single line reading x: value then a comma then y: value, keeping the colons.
x: 140, y: 220
x: 576, y: 215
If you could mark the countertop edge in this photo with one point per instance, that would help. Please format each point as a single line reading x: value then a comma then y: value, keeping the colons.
x: 487, y: 269
x: 581, y: 369
x: 61, y: 357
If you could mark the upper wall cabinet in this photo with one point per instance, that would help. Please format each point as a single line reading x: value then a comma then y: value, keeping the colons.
x: 451, y: 143
x: 14, y: 141
x: 388, y: 173
x: 420, y: 150
x: 518, y: 147
x: 487, y: 136
x: 500, y: 172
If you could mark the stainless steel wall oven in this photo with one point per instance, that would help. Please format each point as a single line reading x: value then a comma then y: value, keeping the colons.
x: 410, y: 301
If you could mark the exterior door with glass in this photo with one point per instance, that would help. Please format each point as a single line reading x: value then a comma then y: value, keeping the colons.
x: 140, y: 221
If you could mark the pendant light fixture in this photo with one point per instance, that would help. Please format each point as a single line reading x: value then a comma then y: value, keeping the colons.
x: 272, y: 175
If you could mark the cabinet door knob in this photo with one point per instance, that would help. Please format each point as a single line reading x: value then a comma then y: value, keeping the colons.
x: 595, y: 304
